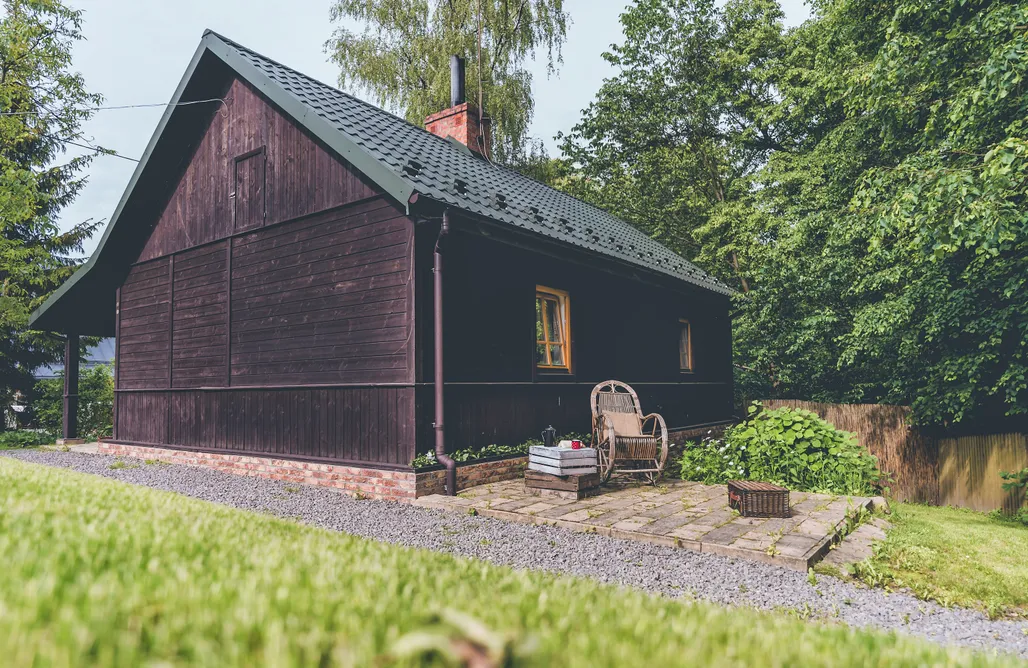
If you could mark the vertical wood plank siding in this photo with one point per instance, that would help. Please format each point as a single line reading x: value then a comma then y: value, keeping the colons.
x: 300, y: 176
x: 480, y: 413
x: 277, y: 270
x: 348, y: 424
x: 928, y: 466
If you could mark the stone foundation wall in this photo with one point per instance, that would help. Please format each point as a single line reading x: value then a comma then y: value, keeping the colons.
x: 372, y: 483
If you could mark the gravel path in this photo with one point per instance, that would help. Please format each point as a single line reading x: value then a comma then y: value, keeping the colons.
x: 667, y: 571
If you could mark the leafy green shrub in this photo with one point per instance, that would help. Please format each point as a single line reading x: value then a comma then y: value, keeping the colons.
x: 789, y: 447
x: 428, y: 459
x: 96, y: 402
x: 1016, y: 482
x: 24, y: 438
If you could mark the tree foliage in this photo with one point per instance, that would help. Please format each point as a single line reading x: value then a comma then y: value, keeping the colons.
x: 96, y: 402
x: 43, y: 104
x: 875, y: 168
x: 402, y: 54
x: 675, y: 133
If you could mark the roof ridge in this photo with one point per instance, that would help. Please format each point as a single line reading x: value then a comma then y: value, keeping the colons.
x: 297, y: 72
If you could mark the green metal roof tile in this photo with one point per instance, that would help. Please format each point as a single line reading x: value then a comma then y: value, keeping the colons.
x: 394, y: 141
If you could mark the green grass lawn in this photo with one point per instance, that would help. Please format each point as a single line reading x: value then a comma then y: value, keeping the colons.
x: 954, y: 556
x: 95, y: 572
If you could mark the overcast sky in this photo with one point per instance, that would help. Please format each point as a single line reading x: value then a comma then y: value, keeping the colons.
x: 136, y: 51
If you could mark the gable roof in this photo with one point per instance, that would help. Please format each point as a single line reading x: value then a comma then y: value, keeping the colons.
x: 431, y: 165
x: 403, y: 160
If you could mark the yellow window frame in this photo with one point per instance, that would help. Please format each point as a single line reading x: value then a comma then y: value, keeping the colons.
x: 685, y: 335
x: 563, y: 300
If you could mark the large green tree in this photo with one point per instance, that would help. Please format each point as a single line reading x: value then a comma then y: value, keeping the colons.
x: 673, y: 136
x: 401, y: 55
x: 43, y: 104
x: 892, y: 259
x: 876, y: 169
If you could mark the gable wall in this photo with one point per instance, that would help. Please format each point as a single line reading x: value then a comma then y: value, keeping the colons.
x: 277, y: 325
x: 299, y: 176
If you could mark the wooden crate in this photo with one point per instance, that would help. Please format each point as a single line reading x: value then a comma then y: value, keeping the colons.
x: 566, y: 487
x: 562, y: 461
x: 758, y: 499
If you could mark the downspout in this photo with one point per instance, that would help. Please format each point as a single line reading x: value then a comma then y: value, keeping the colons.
x: 440, y: 434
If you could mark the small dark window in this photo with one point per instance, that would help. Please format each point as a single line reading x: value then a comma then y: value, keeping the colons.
x: 249, y: 204
x: 685, y: 346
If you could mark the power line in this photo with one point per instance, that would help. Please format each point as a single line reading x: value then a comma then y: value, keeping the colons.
x: 122, y: 106
x: 102, y: 150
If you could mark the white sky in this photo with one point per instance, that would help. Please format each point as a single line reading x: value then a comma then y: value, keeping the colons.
x: 136, y: 51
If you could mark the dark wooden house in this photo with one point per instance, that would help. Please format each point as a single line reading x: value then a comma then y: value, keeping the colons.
x: 268, y: 276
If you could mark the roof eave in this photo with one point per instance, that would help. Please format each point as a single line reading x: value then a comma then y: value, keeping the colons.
x: 543, y: 240
x: 140, y: 168
x: 391, y: 182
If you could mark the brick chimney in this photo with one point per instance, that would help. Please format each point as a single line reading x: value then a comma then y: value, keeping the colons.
x: 460, y: 121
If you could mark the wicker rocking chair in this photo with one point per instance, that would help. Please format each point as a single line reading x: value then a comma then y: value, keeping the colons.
x: 619, y: 434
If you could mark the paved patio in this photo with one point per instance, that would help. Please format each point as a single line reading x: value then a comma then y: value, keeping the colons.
x: 676, y: 513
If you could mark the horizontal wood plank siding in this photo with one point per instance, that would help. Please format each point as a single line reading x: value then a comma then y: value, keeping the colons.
x: 351, y: 424
x: 143, y: 326
x: 323, y: 301
x: 274, y: 266
x: 479, y: 414
x: 200, y: 317
x: 620, y: 329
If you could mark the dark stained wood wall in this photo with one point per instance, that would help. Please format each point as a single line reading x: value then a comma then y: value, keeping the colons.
x: 144, y: 317
x: 280, y: 174
x: 323, y: 300
x: 339, y: 424
x: 621, y: 329
x: 276, y: 321
x: 200, y: 323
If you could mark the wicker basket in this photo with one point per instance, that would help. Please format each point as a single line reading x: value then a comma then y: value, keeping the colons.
x: 758, y: 499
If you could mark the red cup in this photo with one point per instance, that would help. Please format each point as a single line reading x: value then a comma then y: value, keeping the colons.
x: 576, y: 445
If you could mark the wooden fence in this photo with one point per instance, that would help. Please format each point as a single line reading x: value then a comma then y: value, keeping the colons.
x: 939, y: 470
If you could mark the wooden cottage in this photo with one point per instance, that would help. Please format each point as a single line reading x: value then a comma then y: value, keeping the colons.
x: 286, y: 257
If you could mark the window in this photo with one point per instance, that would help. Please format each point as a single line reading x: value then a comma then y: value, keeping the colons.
x: 552, y: 329
x: 685, y: 346
x: 249, y: 207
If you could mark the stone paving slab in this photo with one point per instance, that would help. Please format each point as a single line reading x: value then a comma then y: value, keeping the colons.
x: 857, y: 546
x: 676, y: 513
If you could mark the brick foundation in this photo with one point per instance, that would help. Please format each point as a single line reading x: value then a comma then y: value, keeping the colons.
x: 471, y: 474
x: 372, y: 483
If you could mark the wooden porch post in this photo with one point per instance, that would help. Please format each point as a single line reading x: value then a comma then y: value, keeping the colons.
x: 70, y: 426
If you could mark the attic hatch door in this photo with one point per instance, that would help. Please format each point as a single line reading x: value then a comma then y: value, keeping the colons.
x: 249, y: 207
